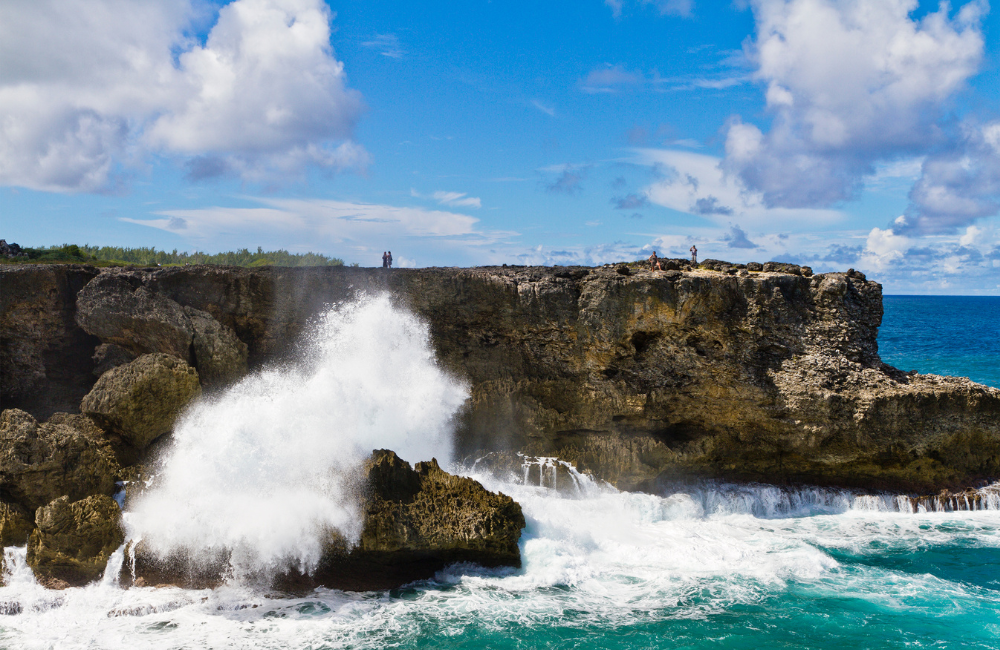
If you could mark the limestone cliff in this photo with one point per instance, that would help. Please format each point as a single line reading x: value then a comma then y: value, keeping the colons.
x: 638, y: 377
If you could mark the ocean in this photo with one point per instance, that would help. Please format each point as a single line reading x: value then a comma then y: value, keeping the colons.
x: 710, y: 566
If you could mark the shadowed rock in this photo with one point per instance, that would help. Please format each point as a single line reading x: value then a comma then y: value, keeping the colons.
x: 41, y: 462
x: 108, y: 356
x: 16, y: 523
x: 73, y: 540
x: 120, y: 310
x: 141, y: 400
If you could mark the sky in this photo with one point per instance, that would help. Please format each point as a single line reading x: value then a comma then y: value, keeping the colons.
x: 836, y: 134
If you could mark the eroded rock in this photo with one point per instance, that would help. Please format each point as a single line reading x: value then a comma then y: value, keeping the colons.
x: 74, y: 540
x: 141, y: 400
x: 416, y: 521
x: 120, y: 310
x: 41, y: 462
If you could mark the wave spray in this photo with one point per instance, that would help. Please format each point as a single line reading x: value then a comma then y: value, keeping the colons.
x: 259, y: 471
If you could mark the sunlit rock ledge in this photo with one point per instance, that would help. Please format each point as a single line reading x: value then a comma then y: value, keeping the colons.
x: 638, y: 377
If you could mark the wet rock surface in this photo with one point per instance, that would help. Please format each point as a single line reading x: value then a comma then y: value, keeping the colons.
x: 419, y: 520
x: 74, y: 540
x: 41, y: 462
x: 141, y: 400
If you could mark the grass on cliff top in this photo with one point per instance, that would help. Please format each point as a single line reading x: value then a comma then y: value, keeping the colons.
x: 117, y: 256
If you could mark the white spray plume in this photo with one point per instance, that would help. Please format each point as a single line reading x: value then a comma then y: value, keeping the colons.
x: 257, y: 471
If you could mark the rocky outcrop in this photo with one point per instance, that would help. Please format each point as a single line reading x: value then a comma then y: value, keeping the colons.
x: 41, y: 462
x: 419, y: 520
x: 120, y: 310
x: 415, y: 522
x: 74, y: 540
x: 761, y: 372
x: 141, y: 400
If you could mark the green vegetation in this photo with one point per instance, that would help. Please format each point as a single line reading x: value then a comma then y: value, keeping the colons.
x: 115, y: 256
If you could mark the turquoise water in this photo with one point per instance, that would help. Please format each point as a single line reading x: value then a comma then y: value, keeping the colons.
x: 943, y: 335
x: 716, y: 566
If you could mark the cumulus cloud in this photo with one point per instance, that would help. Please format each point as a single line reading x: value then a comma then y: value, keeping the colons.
x: 959, y: 184
x: 849, y: 84
x: 737, y: 238
x: 88, y: 87
x: 697, y: 184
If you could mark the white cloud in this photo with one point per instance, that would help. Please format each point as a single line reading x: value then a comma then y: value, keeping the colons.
x: 91, y: 86
x: 334, y: 221
x: 457, y: 199
x: 959, y: 184
x: 452, y: 199
x: 387, y: 45
x: 545, y: 108
x: 696, y: 184
x: 850, y: 84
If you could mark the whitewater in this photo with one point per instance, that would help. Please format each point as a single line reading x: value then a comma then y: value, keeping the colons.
x: 259, y: 470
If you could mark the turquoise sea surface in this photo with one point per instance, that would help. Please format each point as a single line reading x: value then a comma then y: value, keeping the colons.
x: 943, y: 335
x: 709, y: 566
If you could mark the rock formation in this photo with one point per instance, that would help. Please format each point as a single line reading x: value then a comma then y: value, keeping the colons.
x: 41, y: 462
x: 416, y: 521
x: 118, y: 309
x: 743, y: 372
x: 74, y: 540
x: 141, y: 400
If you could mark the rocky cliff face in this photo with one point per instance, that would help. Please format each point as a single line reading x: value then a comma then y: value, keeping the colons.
x: 638, y: 378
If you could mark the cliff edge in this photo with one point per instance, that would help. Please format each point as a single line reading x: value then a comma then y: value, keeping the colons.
x: 639, y: 378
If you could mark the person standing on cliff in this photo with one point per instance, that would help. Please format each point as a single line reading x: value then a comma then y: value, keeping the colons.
x: 694, y: 254
x: 389, y: 259
x: 654, y: 262
x: 385, y: 259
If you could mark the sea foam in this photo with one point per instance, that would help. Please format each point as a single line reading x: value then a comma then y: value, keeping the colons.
x: 258, y: 471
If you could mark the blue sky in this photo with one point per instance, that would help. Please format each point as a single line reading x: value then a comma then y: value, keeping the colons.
x: 859, y: 133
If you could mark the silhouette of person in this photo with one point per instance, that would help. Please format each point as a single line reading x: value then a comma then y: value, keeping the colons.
x: 385, y: 259
x: 694, y: 254
x: 654, y: 262
x: 390, y: 259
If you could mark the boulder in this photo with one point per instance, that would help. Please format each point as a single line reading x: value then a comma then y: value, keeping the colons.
x: 16, y: 523
x: 120, y: 310
x: 74, y: 539
x: 40, y: 462
x: 416, y: 522
x: 141, y: 400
